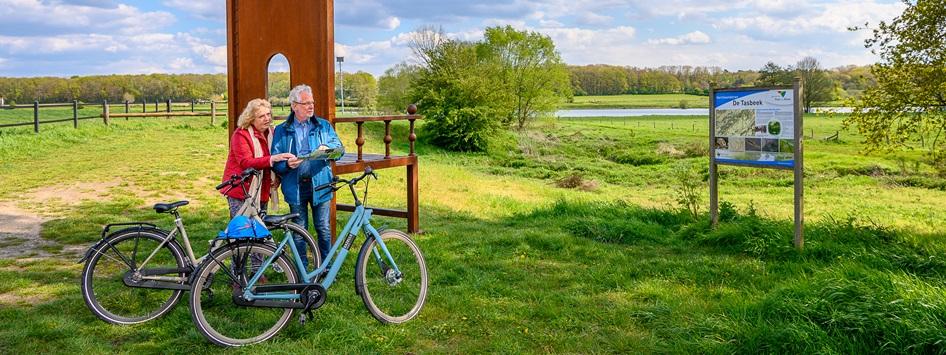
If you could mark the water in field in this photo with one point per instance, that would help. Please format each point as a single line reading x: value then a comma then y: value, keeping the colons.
x: 633, y: 112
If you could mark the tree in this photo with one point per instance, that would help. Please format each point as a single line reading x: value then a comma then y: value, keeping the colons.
x: 907, y: 108
x: 532, y: 77
x: 393, y: 87
x: 817, y: 85
x: 773, y: 75
x: 456, y: 98
x: 362, y: 88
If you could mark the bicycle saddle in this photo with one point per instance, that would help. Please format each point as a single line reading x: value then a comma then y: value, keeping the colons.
x: 279, y: 218
x: 166, y: 207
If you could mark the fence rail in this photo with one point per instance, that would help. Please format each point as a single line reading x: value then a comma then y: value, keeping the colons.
x: 167, y: 108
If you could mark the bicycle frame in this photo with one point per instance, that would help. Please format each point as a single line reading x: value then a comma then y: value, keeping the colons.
x: 178, y: 227
x: 360, y: 220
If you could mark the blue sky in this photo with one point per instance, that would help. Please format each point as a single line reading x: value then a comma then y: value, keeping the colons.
x: 88, y: 37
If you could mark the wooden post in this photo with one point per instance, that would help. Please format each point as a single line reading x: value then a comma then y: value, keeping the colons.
x: 411, y: 110
x: 413, y: 219
x: 35, y: 116
x: 75, y: 113
x: 192, y: 105
x: 144, y: 107
x: 213, y: 113
x: 799, y: 168
x: 155, y: 105
x: 126, y: 108
x: 360, y: 141
x: 387, y: 139
x: 168, y: 109
x: 105, y: 111
x: 713, y: 169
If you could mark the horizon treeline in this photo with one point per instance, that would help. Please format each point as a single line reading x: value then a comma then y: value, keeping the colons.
x: 603, y: 79
x: 597, y: 79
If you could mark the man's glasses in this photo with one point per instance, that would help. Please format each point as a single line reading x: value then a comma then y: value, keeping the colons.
x: 308, y: 103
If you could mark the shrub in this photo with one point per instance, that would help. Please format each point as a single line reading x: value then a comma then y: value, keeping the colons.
x: 688, y: 189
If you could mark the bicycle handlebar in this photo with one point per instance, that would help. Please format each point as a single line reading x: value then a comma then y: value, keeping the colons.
x: 238, y: 179
x: 368, y: 172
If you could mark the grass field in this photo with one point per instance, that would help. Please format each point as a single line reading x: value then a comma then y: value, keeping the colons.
x: 608, y: 263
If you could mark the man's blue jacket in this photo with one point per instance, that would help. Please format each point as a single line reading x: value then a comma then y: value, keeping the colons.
x: 321, y: 171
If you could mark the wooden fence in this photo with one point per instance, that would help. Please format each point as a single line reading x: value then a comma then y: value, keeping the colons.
x: 161, y: 109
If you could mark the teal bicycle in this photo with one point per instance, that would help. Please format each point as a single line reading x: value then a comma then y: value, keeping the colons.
x: 234, y: 303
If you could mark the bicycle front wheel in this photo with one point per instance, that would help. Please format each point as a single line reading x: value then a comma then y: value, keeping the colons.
x: 220, y: 280
x: 392, y: 295
x: 114, y: 288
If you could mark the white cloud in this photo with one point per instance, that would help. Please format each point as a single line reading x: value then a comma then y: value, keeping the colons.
x: 695, y: 37
x: 833, y: 17
x: 56, y: 44
x: 574, y: 38
x: 40, y: 17
x: 207, y: 9
x: 181, y: 64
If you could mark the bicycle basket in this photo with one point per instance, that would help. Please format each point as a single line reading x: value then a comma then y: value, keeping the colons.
x: 244, y: 227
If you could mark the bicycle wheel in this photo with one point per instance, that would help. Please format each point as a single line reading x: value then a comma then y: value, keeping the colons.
x: 217, y: 282
x: 104, y: 286
x: 390, y: 296
x: 312, y: 252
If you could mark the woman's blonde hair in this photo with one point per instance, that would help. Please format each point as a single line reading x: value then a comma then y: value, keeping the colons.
x: 249, y: 113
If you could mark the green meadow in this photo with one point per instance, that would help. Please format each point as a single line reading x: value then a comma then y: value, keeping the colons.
x: 565, y: 238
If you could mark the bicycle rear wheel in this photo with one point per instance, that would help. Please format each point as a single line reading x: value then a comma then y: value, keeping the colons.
x: 312, y: 251
x: 106, y: 272
x: 221, y: 278
x: 392, y: 296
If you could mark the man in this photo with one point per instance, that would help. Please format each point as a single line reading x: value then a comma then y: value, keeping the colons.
x: 301, y: 134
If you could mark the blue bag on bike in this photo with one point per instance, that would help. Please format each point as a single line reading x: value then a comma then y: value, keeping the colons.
x: 244, y: 227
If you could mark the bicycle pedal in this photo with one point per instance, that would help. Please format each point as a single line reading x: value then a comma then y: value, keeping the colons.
x: 302, y: 318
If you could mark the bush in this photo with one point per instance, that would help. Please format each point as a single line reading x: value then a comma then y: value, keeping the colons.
x: 688, y: 189
x: 460, y: 129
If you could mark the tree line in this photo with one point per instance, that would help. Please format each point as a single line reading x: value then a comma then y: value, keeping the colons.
x: 389, y: 92
x: 601, y: 79
x: 114, y: 88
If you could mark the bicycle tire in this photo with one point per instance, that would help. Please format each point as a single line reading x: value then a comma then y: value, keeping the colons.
x: 103, y: 287
x: 390, y: 298
x: 216, y: 315
x: 312, y: 253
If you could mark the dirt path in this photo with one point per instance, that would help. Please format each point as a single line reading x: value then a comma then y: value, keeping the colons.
x: 19, y: 235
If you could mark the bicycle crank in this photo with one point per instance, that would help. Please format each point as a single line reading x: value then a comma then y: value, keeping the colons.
x: 314, y: 297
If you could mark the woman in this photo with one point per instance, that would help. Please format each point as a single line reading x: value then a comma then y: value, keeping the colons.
x: 249, y: 148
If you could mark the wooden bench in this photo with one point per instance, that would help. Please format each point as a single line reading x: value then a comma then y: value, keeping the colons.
x: 355, y: 162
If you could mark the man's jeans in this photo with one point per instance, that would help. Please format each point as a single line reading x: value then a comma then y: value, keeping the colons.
x: 321, y: 214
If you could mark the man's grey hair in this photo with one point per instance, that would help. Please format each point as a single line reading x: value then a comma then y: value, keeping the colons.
x: 297, y: 91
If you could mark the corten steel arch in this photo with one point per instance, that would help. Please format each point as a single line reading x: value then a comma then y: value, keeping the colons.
x: 301, y: 30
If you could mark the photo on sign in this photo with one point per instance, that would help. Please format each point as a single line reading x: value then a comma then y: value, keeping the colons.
x: 737, y: 144
x: 735, y: 123
x: 786, y: 145
x: 770, y: 145
x: 753, y: 144
x: 775, y: 127
x: 722, y: 143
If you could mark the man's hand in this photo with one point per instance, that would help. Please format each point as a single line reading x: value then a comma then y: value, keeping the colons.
x: 323, y: 147
x: 294, y: 162
x: 280, y: 157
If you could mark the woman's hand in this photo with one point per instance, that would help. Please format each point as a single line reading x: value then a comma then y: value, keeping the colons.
x: 280, y: 157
